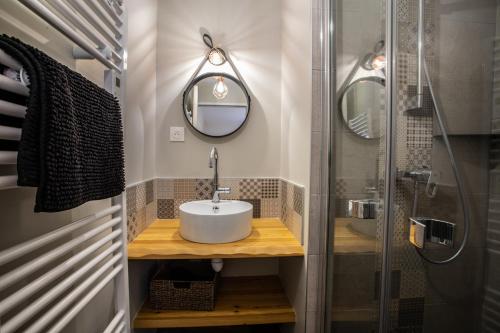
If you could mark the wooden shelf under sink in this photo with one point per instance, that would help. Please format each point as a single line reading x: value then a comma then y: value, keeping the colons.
x: 240, y: 301
x: 161, y: 240
x: 355, y: 313
x: 348, y: 241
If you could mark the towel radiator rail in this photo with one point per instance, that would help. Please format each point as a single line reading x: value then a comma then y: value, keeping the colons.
x: 80, y: 259
x: 107, y: 15
x: 102, y: 248
x: 73, y: 33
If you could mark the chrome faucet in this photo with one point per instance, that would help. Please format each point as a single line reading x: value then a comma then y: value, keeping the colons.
x: 213, y: 163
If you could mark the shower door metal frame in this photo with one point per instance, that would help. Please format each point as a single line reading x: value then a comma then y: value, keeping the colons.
x: 390, y: 169
x: 390, y: 166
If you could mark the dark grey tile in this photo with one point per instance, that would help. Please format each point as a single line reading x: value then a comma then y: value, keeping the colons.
x: 411, y: 313
x: 459, y: 281
x: 256, y: 207
x: 149, y: 192
x: 165, y: 208
x: 354, y: 279
x: 448, y: 318
x: 395, y: 284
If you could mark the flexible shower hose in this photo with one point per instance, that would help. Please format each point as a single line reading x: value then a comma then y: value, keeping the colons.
x: 456, y: 173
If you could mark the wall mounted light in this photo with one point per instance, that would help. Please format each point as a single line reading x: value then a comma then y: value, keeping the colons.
x: 378, y: 62
x: 217, y: 57
x: 375, y: 60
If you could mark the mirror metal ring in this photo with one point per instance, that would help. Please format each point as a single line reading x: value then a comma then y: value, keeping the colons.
x: 358, y: 104
x: 225, y: 126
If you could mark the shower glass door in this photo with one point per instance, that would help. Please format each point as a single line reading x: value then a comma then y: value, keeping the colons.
x: 458, y: 44
x: 376, y: 288
x: 357, y: 219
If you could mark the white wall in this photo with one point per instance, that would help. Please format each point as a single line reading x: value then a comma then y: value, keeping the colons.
x: 140, y: 110
x: 296, y: 89
x: 250, y: 31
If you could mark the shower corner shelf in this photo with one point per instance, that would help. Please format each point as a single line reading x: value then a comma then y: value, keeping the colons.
x: 240, y: 301
x: 161, y: 240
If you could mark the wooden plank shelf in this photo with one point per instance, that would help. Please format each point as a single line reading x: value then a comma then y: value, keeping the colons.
x: 240, y: 301
x: 161, y: 240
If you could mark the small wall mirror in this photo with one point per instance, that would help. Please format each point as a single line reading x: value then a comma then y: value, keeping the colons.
x: 362, y: 104
x: 216, y: 104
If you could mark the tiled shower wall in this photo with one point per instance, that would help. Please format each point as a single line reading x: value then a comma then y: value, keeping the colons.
x: 425, y: 296
x: 160, y: 198
x: 426, y: 293
x: 414, y: 150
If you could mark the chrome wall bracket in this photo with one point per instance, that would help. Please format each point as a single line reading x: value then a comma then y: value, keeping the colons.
x: 423, y: 230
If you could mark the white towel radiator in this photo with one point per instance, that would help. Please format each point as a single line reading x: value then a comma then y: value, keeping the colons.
x: 67, y: 267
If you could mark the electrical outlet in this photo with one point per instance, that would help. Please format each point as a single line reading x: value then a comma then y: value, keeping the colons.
x: 177, y: 134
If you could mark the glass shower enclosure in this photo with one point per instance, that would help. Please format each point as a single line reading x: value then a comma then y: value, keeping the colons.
x: 414, y: 225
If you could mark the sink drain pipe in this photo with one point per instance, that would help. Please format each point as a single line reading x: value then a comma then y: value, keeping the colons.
x: 217, y: 265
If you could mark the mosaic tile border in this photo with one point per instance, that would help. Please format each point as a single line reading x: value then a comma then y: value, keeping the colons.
x: 161, y: 198
x: 141, y: 207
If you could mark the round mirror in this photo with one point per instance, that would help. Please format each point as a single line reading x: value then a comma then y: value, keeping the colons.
x: 216, y: 104
x: 362, y: 105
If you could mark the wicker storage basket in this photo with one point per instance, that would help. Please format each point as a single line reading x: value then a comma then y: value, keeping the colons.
x: 184, y: 286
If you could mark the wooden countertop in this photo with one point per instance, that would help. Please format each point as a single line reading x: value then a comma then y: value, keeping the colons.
x: 349, y: 241
x: 240, y: 301
x: 161, y: 240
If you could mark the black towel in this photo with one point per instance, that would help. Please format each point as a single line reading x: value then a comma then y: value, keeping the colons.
x: 72, y: 139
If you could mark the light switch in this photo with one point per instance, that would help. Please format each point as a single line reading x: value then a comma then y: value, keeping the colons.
x: 177, y: 134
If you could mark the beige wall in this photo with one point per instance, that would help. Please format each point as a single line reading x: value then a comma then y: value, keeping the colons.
x: 296, y: 104
x: 296, y: 92
x: 140, y: 111
x: 250, y: 31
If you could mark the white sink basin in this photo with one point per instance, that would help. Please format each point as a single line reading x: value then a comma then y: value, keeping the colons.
x: 202, y: 222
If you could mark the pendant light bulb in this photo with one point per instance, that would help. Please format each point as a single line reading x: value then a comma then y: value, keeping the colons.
x: 220, y: 88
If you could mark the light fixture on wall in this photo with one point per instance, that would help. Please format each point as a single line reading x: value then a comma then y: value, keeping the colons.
x: 375, y: 60
x: 220, y: 88
x: 378, y: 62
x: 216, y: 56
